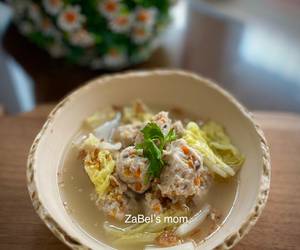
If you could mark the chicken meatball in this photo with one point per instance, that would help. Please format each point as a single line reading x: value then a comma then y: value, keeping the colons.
x: 132, y: 168
x: 127, y: 134
x: 184, y: 174
x: 163, y: 121
x: 178, y: 128
x: 118, y: 202
x: 152, y: 204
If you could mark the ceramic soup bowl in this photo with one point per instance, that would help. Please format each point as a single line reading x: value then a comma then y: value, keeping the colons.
x: 163, y: 88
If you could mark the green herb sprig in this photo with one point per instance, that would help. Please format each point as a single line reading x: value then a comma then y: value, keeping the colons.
x: 153, y: 145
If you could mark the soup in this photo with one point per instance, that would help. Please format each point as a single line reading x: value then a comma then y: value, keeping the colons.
x: 181, y: 192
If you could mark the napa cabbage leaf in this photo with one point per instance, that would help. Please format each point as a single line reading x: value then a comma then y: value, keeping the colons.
x: 99, y: 168
x: 145, y: 232
x: 214, y: 145
x: 221, y: 145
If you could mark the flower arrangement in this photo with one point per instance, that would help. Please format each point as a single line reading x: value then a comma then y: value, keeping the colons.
x: 109, y: 34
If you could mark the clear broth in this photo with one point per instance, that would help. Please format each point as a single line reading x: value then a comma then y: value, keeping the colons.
x: 77, y: 191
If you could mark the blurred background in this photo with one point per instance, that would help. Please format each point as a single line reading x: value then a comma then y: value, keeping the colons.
x: 251, y: 48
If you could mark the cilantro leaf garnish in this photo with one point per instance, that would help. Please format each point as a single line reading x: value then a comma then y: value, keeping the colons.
x: 153, y: 145
x: 171, y: 136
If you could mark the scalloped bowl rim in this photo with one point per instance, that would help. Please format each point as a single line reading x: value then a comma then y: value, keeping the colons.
x: 231, y: 240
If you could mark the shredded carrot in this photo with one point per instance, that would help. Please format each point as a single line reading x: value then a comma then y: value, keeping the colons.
x: 185, y: 150
x: 138, y: 186
x: 127, y: 171
x: 197, y: 181
x: 138, y: 173
x: 156, y: 207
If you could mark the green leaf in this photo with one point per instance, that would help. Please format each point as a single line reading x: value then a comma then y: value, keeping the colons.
x: 153, y: 145
x: 139, y: 146
x: 171, y: 136
x: 152, y: 131
x: 154, y: 150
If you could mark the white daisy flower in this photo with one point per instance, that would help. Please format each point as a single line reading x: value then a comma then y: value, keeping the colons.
x: 47, y: 27
x: 145, y: 16
x: 70, y: 19
x: 34, y: 13
x: 82, y: 38
x: 121, y: 23
x: 140, y: 34
x: 115, y: 58
x: 53, y: 7
x: 109, y: 8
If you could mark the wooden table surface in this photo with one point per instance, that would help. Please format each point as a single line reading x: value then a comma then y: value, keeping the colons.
x: 277, y: 229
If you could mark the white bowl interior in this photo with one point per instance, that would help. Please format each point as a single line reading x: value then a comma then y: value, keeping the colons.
x: 163, y: 89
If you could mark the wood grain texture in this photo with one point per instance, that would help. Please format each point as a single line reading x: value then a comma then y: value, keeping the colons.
x: 277, y: 229
x: 1, y: 110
